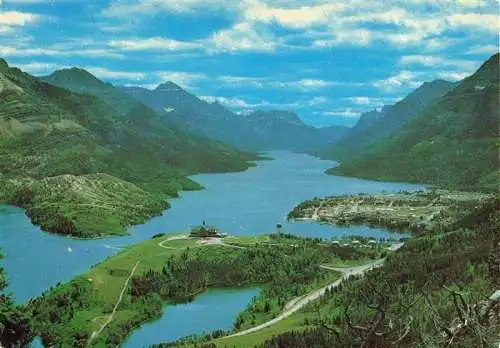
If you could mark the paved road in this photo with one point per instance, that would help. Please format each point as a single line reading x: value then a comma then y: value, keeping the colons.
x: 298, y: 303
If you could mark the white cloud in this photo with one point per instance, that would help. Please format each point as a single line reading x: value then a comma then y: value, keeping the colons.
x: 236, y: 103
x: 319, y: 23
x: 453, y: 75
x: 153, y: 43
x: 438, y: 62
x: 182, y: 78
x: 241, y: 104
x: 241, y: 37
x: 404, y: 79
x: 11, y: 51
x: 372, y: 102
x: 303, y: 84
x: 108, y: 74
x: 486, y: 22
x: 124, y: 8
x: 300, y: 17
x: 471, y: 3
x: 31, y: 2
x: 357, y: 37
x: 39, y: 68
x: 485, y: 49
x: 318, y: 100
x: 360, y: 100
x: 343, y: 113
x: 311, y: 83
x: 443, y: 3
x: 405, y: 38
x: 16, y: 18
x: 150, y: 86
x: 258, y: 82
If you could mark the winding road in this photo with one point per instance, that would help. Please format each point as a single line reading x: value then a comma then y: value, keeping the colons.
x: 298, y: 303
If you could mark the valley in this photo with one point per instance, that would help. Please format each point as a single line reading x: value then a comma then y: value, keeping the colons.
x: 120, y: 171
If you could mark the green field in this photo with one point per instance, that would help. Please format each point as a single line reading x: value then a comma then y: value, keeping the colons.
x: 174, y: 268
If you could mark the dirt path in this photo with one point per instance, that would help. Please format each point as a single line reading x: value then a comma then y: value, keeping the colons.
x: 160, y: 244
x: 118, y: 301
x: 201, y: 243
x: 298, y: 303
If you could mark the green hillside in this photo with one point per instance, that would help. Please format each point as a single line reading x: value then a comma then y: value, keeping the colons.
x: 55, y: 146
x: 454, y: 142
x: 376, y: 125
x: 81, y: 81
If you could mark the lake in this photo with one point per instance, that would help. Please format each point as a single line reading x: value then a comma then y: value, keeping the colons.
x: 250, y: 202
x: 212, y: 310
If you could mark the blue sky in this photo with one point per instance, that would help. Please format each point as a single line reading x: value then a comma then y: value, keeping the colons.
x: 327, y: 60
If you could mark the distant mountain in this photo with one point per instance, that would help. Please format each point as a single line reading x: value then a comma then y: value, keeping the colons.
x: 82, y: 168
x: 285, y: 130
x: 376, y: 125
x: 368, y: 119
x: 452, y: 142
x: 258, y: 131
x: 81, y: 81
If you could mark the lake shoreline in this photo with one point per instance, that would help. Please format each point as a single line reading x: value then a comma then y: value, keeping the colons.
x: 418, y: 211
x: 268, y: 179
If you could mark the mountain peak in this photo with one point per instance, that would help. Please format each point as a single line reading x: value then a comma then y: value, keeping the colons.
x: 437, y: 82
x: 489, y: 69
x: 3, y: 64
x: 74, y: 75
x: 283, y: 115
x: 168, y: 86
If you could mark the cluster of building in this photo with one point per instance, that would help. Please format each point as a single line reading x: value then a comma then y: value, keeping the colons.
x: 205, y: 231
x: 356, y: 243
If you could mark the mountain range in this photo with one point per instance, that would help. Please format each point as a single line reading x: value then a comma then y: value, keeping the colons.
x: 452, y: 142
x: 70, y: 140
x: 82, y: 168
x: 259, y: 130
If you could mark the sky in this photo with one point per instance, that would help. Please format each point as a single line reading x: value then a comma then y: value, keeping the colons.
x: 327, y: 60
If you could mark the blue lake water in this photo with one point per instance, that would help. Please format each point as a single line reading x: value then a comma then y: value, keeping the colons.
x: 212, y: 310
x: 246, y: 203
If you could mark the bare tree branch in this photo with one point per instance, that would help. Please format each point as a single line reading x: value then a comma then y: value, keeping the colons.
x: 405, y: 333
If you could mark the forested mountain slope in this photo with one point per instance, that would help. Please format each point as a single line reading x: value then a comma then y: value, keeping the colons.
x: 454, y: 142
x: 80, y: 167
x: 376, y: 125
